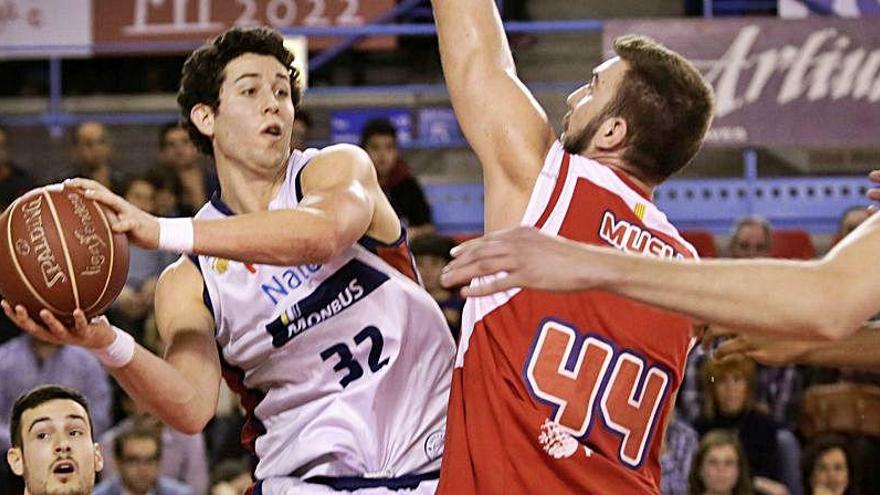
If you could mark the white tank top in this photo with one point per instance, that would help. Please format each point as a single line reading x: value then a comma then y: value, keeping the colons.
x: 344, y: 368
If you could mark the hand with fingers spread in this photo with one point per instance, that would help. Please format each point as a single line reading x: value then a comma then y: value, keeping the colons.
x: 141, y: 227
x: 97, y: 334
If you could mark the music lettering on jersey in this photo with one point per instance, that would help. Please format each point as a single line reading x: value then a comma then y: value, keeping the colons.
x: 631, y: 238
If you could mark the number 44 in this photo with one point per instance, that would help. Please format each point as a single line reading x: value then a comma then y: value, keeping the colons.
x: 572, y: 380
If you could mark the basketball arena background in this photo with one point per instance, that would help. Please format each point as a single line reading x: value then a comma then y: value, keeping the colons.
x: 798, y: 88
x: 797, y: 84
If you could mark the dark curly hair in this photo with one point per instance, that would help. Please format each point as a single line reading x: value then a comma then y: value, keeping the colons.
x: 204, y: 71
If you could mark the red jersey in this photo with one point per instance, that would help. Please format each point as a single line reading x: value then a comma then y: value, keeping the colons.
x: 569, y: 392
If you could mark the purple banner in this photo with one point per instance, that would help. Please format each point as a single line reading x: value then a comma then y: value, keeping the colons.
x: 810, y: 83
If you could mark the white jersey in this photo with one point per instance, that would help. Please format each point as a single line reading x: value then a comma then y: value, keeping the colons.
x: 344, y: 368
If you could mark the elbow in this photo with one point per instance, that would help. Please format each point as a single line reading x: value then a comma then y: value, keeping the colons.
x: 317, y: 249
x: 190, y: 425
x: 834, y: 326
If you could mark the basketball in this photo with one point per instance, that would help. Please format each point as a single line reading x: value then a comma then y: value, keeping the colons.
x: 57, y: 251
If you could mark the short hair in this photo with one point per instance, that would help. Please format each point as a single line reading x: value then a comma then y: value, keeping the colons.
x: 167, y: 128
x: 816, y: 449
x: 666, y: 103
x: 74, y: 136
x: 713, y: 369
x: 719, y: 438
x: 753, y: 220
x: 154, y: 434
x: 305, y: 117
x: 840, y: 225
x: 39, y: 396
x: 204, y: 72
x: 377, y: 127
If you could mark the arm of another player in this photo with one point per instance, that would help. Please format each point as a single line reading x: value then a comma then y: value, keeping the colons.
x: 182, y: 389
x: 859, y: 350
x: 336, y: 210
x: 829, y: 298
x: 500, y: 118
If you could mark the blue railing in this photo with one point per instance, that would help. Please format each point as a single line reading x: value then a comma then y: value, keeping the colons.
x: 813, y: 203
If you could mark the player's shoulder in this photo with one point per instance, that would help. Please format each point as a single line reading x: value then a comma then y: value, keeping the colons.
x: 181, y: 277
x: 339, y: 162
x: 341, y: 154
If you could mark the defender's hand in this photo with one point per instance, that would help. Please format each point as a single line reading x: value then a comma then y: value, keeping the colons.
x: 141, y: 227
x: 522, y: 257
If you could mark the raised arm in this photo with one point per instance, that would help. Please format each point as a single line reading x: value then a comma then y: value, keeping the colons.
x: 500, y: 118
x: 181, y: 389
x: 829, y: 298
x: 340, y: 192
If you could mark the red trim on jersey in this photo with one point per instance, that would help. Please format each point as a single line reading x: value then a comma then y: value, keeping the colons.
x: 400, y: 258
x: 396, y: 254
x: 557, y: 191
x: 639, y: 189
x: 250, y: 399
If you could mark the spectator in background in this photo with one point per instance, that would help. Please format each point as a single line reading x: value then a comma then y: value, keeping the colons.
x: 14, y: 181
x: 432, y: 254
x: 780, y: 388
x: 26, y: 363
x: 729, y: 404
x: 679, y: 448
x: 183, y: 457
x: 231, y: 477
x: 752, y: 238
x: 849, y: 220
x: 135, y: 303
x: 302, y: 124
x: 379, y: 139
x: 720, y: 467
x: 49, y: 422
x: 139, y: 453
x: 92, y: 151
x: 827, y: 467
x: 181, y: 172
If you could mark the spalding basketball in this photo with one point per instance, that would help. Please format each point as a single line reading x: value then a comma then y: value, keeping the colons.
x: 57, y: 251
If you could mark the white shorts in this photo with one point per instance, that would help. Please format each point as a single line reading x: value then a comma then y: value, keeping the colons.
x: 295, y: 486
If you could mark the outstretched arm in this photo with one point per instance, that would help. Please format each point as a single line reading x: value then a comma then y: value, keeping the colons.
x: 500, y: 118
x: 829, y: 298
x: 338, y: 185
x: 859, y: 350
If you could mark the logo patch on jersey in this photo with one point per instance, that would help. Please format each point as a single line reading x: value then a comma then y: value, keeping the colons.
x: 634, y: 239
x: 435, y: 444
x: 351, y: 283
x: 640, y: 210
x: 556, y: 440
x: 290, y: 279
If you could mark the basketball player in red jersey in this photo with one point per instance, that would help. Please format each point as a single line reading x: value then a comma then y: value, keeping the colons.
x: 568, y: 392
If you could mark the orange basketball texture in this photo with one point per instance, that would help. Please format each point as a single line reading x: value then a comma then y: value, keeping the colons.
x: 57, y: 251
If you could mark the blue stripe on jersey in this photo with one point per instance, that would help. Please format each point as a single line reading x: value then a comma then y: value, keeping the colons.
x: 340, y: 291
x: 221, y: 206
x: 352, y: 483
x: 206, y: 296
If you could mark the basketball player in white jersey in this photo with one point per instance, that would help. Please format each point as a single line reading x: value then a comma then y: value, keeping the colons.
x: 300, y: 275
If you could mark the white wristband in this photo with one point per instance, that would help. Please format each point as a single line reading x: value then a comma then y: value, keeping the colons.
x: 176, y: 234
x: 119, y: 353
